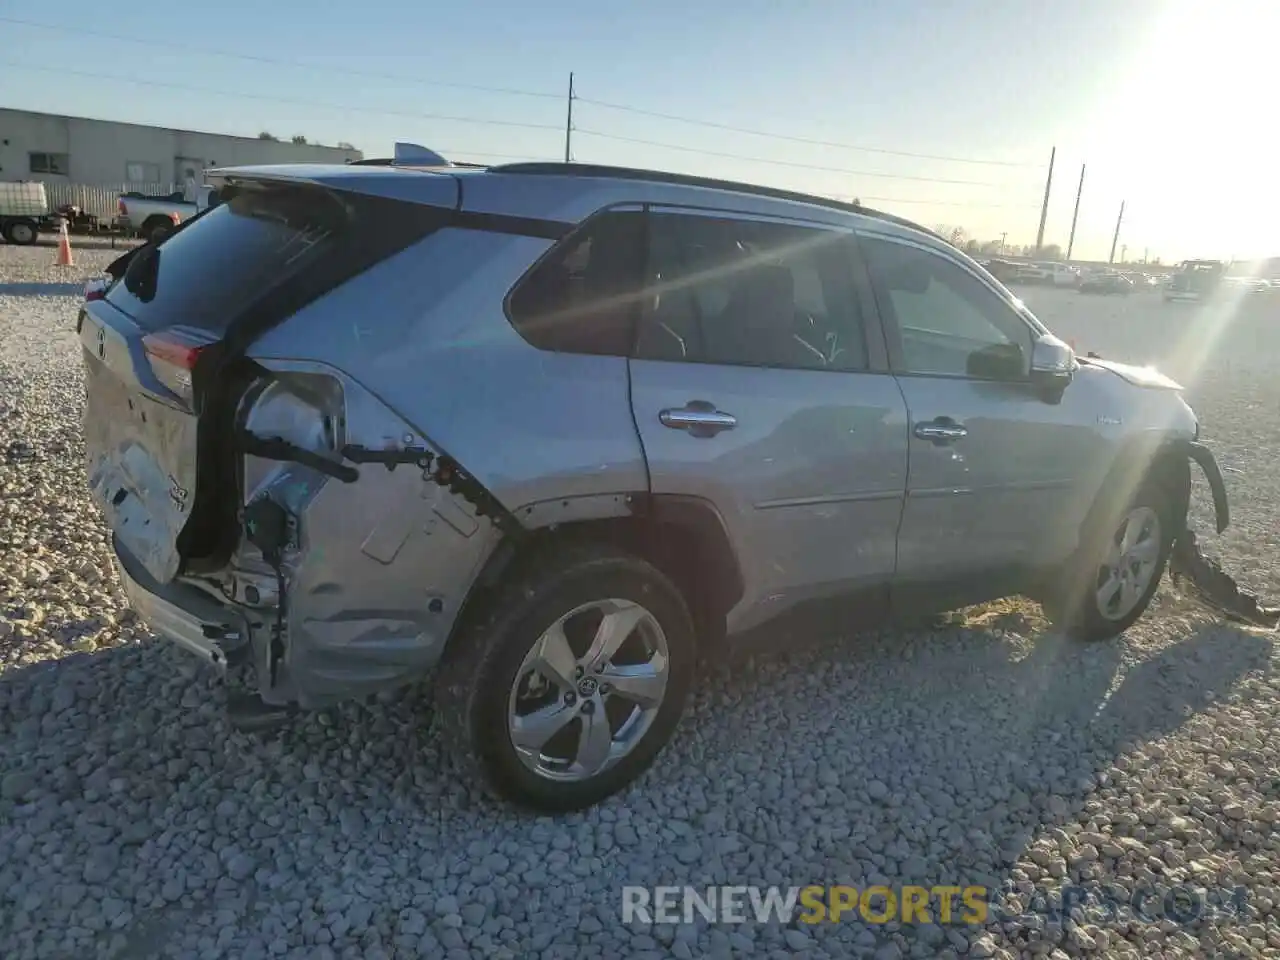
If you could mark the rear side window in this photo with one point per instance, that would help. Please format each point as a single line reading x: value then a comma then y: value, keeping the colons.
x: 206, y: 273
x: 751, y: 293
x: 583, y: 298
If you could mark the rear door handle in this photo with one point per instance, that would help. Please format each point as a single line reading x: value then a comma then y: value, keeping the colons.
x: 698, y: 417
x: 941, y: 431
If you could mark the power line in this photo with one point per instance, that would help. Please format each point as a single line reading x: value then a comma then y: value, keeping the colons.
x: 794, y: 139
x: 452, y: 153
x: 290, y: 100
x: 253, y: 58
x: 786, y: 163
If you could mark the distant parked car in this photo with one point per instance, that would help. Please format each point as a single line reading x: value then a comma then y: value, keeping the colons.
x: 1195, y: 280
x: 1002, y: 270
x: 1249, y: 284
x: 1056, y: 274
x: 1110, y: 282
x: 153, y: 216
x: 1032, y: 273
x: 1064, y: 275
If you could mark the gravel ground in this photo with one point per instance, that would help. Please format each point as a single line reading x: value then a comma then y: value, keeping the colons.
x: 134, y: 823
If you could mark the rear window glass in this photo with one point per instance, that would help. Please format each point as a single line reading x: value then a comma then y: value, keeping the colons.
x: 583, y: 298
x: 204, y: 274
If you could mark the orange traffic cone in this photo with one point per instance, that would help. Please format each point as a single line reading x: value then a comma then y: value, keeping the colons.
x: 65, y: 259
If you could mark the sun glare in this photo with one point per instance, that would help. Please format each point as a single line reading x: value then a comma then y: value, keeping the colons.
x: 1187, y: 131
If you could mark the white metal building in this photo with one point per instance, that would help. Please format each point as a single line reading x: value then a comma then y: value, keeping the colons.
x: 57, y: 150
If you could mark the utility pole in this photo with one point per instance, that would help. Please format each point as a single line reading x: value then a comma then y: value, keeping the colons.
x: 1116, y: 236
x: 1071, y: 241
x: 1044, y: 207
x: 568, y: 124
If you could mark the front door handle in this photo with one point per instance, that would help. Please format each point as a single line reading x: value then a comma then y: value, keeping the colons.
x: 941, y: 431
x: 698, y: 417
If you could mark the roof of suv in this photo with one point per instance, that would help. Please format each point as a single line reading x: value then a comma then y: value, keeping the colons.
x: 370, y: 172
x: 602, y: 171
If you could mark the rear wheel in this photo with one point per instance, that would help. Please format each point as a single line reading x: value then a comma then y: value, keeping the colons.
x: 21, y: 232
x: 573, y: 683
x: 156, y: 229
x: 1118, y: 569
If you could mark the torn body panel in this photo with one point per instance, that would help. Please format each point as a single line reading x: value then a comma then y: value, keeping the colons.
x: 374, y: 571
x: 139, y: 436
x: 1212, y: 585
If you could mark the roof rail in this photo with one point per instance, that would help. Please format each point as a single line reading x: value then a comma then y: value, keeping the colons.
x: 658, y: 176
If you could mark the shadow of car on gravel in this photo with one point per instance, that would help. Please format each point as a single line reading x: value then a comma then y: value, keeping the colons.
x: 117, y: 758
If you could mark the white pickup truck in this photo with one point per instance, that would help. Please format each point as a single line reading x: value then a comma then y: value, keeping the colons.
x: 153, y: 216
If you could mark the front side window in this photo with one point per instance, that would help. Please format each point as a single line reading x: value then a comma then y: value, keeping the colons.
x: 750, y: 293
x: 950, y: 323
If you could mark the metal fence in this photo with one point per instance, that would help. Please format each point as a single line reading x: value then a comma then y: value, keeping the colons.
x: 100, y: 199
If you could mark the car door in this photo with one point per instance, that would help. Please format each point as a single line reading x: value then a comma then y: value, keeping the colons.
x: 759, y: 386
x: 993, y: 460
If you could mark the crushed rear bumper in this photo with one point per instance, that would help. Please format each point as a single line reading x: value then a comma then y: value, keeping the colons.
x: 182, y: 613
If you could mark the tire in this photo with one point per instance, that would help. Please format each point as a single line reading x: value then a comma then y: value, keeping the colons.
x: 485, y: 682
x: 1077, y: 607
x: 156, y: 229
x: 21, y: 233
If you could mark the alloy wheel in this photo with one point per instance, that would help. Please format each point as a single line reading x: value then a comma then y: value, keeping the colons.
x: 588, y: 690
x: 1133, y: 555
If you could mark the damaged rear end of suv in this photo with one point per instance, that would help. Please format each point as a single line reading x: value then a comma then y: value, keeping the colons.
x: 239, y: 488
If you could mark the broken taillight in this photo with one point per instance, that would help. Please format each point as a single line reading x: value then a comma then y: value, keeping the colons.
x: 173, y: 355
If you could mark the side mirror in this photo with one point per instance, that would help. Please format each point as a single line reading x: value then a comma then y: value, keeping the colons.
x: 1003, y: 361
x: 1053, y: 365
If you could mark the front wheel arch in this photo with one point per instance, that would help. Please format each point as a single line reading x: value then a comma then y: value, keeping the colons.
x: 1162, y: 458
x: 1161, y: 463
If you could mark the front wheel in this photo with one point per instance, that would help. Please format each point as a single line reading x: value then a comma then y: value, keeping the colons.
x: 1118, y: 568
x: 567, y: 691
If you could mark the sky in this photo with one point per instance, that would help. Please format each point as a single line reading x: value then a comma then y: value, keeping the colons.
x: 944, y: 112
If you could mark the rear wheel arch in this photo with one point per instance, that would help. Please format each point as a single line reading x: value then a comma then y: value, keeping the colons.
x: 156, y: 221
x: 684, y: 537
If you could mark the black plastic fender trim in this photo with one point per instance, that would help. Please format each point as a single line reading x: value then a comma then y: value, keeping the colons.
x: 1203, y: 457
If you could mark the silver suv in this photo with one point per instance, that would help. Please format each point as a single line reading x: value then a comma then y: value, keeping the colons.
x: 545, y: 429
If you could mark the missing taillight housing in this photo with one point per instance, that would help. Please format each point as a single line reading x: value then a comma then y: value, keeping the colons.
x: 173, y: 355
